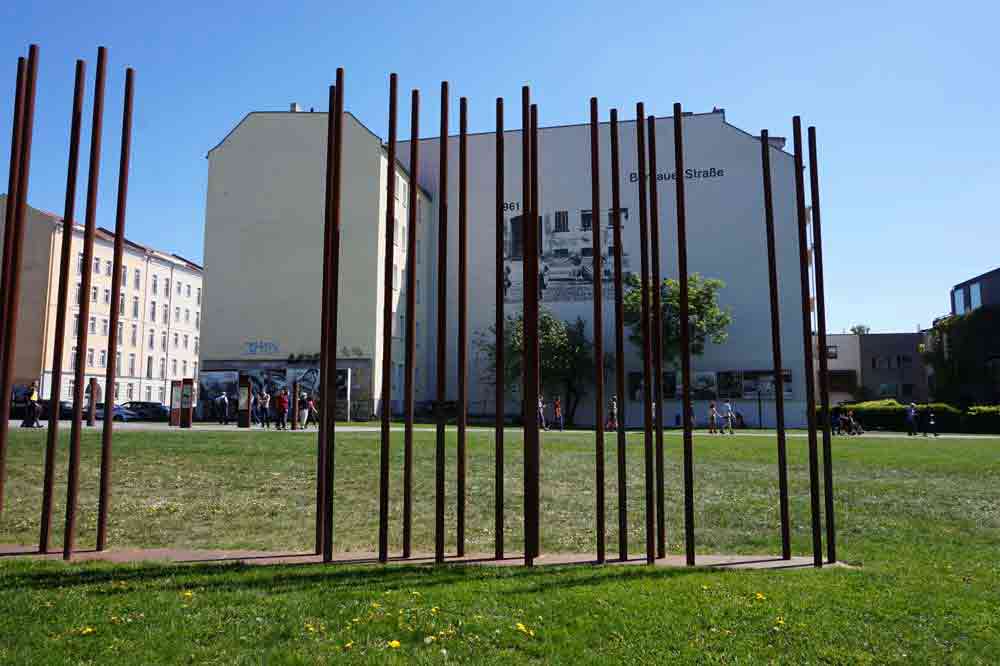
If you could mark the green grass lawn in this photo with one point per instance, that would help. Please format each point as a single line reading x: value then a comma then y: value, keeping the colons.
x: 919, y: 519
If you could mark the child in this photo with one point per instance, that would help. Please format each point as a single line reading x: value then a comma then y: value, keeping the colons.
x: 713, y: 418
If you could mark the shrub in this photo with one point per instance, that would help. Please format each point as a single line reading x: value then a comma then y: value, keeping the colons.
x: 983, y: 419
x: 891, y: 415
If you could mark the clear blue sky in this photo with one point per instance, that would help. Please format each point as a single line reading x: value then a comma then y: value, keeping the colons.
x: 904, y: 96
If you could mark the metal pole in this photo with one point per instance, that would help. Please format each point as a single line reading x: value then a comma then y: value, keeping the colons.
x: 807, y: 343
x: 463, y: 318
x: 657, y: 329
x: 779, y: 378
x: 442, y: 329
x: 501, y: 366
x: 87, y: 270
x: 334, y: 164
x: 12, y: 178
x: 328, y: 384
x: 411, y: 322
x: 596, y: 226
x: 388, y: 278
x: 92, y: 403
x: 682, y: 270
x: 529, y: 409
x: 295, y: 408
x: 116, y: 286
x: 15, y: 258
x: 55, y: 393
x: 619, y: 343
x: 647, y: 411
x: 824, y: 387
x: 534, y: 357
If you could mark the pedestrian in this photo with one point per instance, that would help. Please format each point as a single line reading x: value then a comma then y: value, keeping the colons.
x: 929, y: 423
x: 713, y: 418
x: 613, y: 413
x: 253, y: 407
x: 312, y: 412
x: 222, y: 407
x: 281, y: 409
x: 31, y: 408
x: 911, y: 419
x: 730, y: 417
x: 303, y: 410
x: 265, y: 408
x: 541, y: 412
x: 557, y: 412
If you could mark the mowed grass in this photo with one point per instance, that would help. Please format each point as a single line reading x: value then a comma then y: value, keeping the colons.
x: 919, y: 520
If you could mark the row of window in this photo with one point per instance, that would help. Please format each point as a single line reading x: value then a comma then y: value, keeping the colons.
x: 891, y: 362
x: 129, y: 392
x: 135, y: 307
x: 181, y: 341
x: 137, y: 279
x: 100, y: 359
x: 975, y: 298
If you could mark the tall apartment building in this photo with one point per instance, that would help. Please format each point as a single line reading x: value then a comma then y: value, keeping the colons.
x: 159, y: 329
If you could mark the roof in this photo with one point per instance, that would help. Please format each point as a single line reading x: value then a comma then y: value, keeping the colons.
x: 995, y: 273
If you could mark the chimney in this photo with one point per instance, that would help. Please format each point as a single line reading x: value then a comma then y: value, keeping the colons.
x: 294, y: 107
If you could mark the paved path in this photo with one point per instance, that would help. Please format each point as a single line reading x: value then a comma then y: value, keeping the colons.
x: 180, y: 556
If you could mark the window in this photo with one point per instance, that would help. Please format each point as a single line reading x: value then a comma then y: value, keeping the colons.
x: 163, y: 341
x: 107, y: 268
x: 155, y: 285
x: 196, y: 345
x: 121, y: 304
x: 887, y: 390
x: 93, y: 294
x: 149, y: 367
x: 149, y: 393
x: 173, y: 368
x: 586, y: 220
x: 904, y: 361
x: 124, y: 276
x: 163, y: 368
x: 117, y: 390
x: 135, y: 335
x: 93, y: 325
x: 185, y: 342
x: 107, y: 296
x: 562, y: 221
x: 166, y: 313
x: 166, y: 286
x: 97, y: 266
x: 177, y: 314
x: 104, y: 358
x: 880, y: 363
x: 135, y: 307
x: 197, y: 320
x: 79, y: 289
x: 198, y: 297
x: 118, y: 364
x: 72, y: 358
x: 105, y: 327
x: 135, y: 283
x: 195, y: 369
x: 152, y: 311
x: 130, y: 391
x: 187, y: 316
x: 178, y: 287
x: 958, y: 301
x: 975, y: 296
x: 184, y: 366
x: 152, y: 339
x: 76, y: 323
x: 90, y: 357
x: 79, y: 263
x: 188, y: 290
x: 119, y: 336
x: 177, y: 340
x: 163, y: 394
x: 131, y: 365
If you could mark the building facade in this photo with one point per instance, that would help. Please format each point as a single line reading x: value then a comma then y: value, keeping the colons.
x: 876, y: 366
x: 159, y: 330
x: 263, y: 239
x: 976, y: 292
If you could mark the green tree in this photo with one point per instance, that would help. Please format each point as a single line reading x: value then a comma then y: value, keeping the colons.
x: 566, y: 357
x: 708, y: 321
x: 861, y: 329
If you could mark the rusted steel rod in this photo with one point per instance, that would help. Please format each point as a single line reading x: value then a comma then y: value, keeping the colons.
x: 411, y: 321
x: 334, y: 171
x: 463, y: 321
x: 498, y: 454
x: 824, y: 387
x: 15, y: 258
x: 657, y: 330
x: 388, y: 277
x: 533, y: 357
x: 8, y: 227
x: 597, y: 226
x: 779, y: 379
x: 528, y: 409
x: 62, y: 298
x: 326, y: 382
x: 644, y: 287
x: 87, y: 271
x: 442, y: 330
x: 104, y: 501
x: 619, y: 343
x: 807, y: 343
x: 682, y: 270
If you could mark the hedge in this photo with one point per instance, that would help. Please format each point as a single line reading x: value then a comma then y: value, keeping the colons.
x: 891, y: 415
x: 982, y: 419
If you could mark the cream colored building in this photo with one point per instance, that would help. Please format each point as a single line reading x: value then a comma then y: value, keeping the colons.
x: 264, y: 232
x: 159, y: 333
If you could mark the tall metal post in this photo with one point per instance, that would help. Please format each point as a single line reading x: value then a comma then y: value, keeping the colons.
x: 807, y: 343
x: 87, y: 270
x: 657, y: 330
x: 779, y: 378
x: 62, y: 298
x: 824, y: 387
x: 529, y: 388
x: 442, y: 330
x: 296, y: 406
x: 15, y: 256
x: 328, y: 398
x: 12, y: 177
x: 104, y: 502
x: 533, y: 356
x: 92, y: 403
x: 619, y: 342
x: 596, y: 229
x: 463, y: 320
x: 334, y: 165
x: 411, y: 321
x: 682, y: 270
x: 647, y: 394
x: 388, y: 278
x: 501, y: 366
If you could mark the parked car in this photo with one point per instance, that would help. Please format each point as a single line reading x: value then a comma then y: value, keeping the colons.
x: 65, y: 410
x: 148, y: 411
x: 118, y: 413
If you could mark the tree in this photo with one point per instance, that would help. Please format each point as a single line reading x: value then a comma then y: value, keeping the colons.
x: 566, y: 357
x: 708, y: 321
x: 860, y: 329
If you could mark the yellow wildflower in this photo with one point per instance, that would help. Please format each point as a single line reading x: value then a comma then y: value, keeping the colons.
x: 376, y: 604
x: 348, y: 645
x: 760, y: 596
x: 84, y: 631
x: 394, y: 644
x: 434, y: 610
x: 187, y: 594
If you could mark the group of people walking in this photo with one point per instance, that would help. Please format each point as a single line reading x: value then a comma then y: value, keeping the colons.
x: 557, y: 413
x: 267, y: 410
x: 721, y: 423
